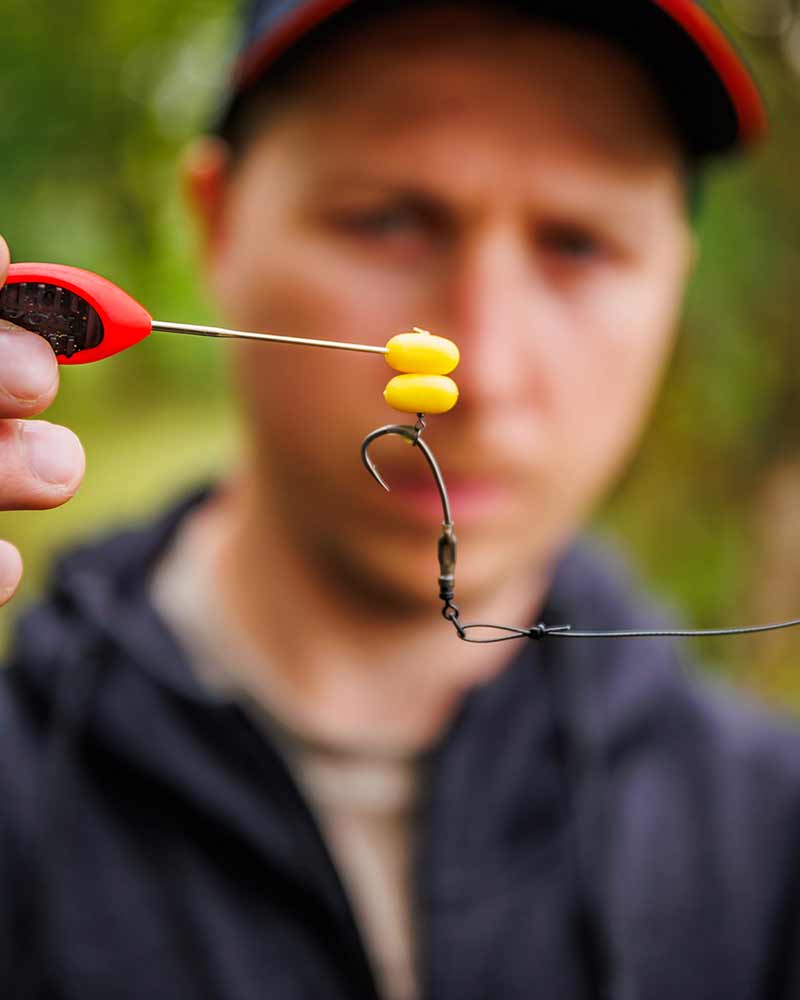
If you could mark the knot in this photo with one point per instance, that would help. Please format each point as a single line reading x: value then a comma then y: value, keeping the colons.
x: 542, y: 631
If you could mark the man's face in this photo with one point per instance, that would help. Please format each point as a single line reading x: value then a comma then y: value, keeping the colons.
x: 516, y: 190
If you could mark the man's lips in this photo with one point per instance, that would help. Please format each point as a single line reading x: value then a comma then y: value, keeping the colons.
x: 472, y: 498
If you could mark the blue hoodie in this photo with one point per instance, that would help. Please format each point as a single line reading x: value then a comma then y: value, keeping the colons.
x: 594, y: 824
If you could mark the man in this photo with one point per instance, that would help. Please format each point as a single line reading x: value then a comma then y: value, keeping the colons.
x: 240, y: 753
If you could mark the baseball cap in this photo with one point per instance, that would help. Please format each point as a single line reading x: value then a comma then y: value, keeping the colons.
x: 713, y: 97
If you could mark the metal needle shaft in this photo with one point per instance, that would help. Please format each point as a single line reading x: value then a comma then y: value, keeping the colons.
x: 272, y: 338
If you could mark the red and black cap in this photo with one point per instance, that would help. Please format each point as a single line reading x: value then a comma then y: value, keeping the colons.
x: 707, y: 86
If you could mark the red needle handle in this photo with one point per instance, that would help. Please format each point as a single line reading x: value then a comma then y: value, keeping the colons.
x: 83, y: 317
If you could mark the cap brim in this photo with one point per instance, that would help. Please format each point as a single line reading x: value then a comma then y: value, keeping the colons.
x: 727, y: 64
x: 706, y: 83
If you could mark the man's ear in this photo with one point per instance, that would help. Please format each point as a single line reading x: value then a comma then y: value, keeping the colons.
x: 205, y: 172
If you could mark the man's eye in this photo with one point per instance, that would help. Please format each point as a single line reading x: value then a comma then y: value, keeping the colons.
x: 571, y: 243
x: 382, y: 222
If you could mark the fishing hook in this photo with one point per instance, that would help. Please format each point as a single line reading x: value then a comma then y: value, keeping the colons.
x: 447, y: 545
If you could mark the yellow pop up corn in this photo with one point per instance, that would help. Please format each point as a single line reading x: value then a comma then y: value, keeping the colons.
x: 421, y: 393
x: 421, y: 352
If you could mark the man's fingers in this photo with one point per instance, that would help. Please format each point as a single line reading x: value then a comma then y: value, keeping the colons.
x: 28, y: 372
x: 41, y: 464
x: 10, y: 571
x: 28, y: 366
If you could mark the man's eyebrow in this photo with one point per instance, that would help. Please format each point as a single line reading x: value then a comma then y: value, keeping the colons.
x: 613, y: 212
x: 357, y: 180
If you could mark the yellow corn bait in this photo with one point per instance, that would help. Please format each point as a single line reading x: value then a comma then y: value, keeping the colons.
x: 421, y: 393
x: 421, y: 352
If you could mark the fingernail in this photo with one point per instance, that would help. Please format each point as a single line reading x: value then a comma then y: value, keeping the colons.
x: 10, y: 570
x: 27, y: 369
x: 53, y: 453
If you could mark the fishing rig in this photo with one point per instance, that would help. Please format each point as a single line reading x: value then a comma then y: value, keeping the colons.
x: 86, y: 318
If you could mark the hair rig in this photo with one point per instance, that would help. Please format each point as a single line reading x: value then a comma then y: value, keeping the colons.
x: 477, y: 632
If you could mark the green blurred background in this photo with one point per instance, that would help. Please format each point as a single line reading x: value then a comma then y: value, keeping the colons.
x: 97, y: 100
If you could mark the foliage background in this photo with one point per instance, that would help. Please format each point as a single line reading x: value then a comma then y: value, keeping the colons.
x: 98, y: 99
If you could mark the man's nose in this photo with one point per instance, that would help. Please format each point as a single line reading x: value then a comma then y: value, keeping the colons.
x: 490, y: 305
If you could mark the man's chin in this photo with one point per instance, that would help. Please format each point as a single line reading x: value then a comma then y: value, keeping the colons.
x: 383, y: 592
x: 401, y: 579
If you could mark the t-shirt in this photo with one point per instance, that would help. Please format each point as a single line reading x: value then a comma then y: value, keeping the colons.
x: 365, y: 802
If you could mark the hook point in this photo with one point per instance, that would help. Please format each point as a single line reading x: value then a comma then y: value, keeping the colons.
x: 371, y: 467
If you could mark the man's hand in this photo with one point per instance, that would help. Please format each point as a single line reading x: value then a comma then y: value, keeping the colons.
x: 41, y: 464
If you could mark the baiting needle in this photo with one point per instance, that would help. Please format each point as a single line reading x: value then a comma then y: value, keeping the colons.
x: 272, y: 338
x: 86, y: 318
